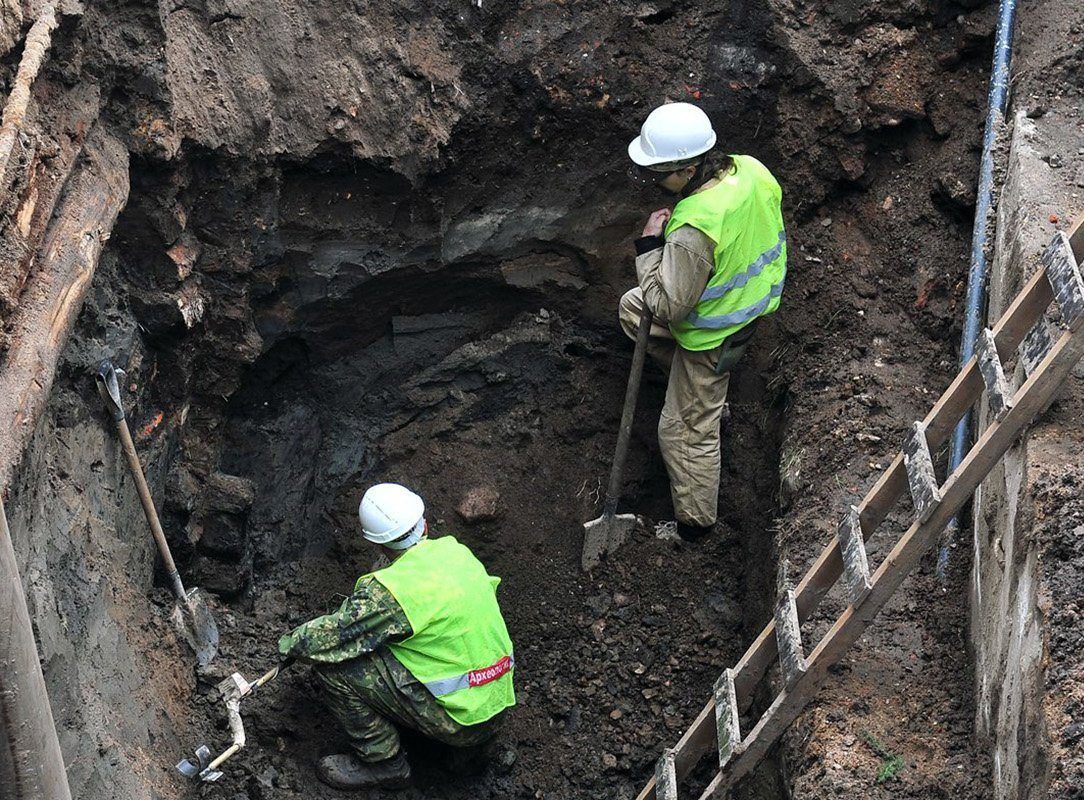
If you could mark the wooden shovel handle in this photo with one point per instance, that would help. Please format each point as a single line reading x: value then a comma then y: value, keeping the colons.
x: 108, y: 388
x: 624, y: 433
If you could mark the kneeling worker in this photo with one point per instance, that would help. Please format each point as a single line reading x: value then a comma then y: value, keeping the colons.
x: 707, y: 271
x: 420, y: 643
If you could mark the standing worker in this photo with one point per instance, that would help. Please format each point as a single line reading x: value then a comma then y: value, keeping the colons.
x: 707, y: 271
x: 420, y: 643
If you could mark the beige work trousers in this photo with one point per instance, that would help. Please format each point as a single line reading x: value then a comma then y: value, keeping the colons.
x: 689, y: 423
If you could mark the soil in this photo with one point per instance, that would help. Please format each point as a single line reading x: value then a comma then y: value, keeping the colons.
x: 385, y: 242
x: 608, y: 666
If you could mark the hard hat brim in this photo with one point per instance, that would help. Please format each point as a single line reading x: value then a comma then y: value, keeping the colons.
x: 644, y: 159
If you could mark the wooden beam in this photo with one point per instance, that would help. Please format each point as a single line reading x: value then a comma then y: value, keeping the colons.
x: 1031, y: 399
x: 31, y: 764
x: 853, y: 551
x: 38, y: 40
x: 925, y: 492
x: 37, y: 187
x: 1064, y: 273
x: 961, y: 394
x: 54, y: 295
x: 666, y: 776
x: 998, y: 389
x: 727, y: 722
x: 788, y: 637
x: 1076, y: 239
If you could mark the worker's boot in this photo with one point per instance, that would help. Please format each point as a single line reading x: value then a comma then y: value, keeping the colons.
x: 693, y: 533
x: 347, y: 771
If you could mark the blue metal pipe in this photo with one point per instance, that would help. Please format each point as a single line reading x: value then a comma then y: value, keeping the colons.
x: 980, y: 235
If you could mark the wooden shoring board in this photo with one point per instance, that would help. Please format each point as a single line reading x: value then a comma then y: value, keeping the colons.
x: 962, y: 393
x: 1029, y: 401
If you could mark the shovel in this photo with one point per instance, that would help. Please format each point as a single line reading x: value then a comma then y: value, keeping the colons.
x: 233, y: 690
x: 191, y: 616
x: 604, y: 535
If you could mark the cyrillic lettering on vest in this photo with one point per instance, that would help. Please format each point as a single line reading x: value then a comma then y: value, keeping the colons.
x: 480, y: 677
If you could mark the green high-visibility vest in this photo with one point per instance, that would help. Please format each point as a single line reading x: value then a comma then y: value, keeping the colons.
x: 460, y: 648
x: 741, y: 214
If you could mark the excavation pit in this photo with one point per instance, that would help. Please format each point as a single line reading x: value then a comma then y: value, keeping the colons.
x: 306, y: 303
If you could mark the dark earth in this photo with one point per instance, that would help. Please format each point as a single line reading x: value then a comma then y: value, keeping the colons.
x: 385, y: 241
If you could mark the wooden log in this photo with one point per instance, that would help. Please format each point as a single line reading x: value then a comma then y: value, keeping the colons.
x: 37, y: 44
x: 39, y: 186
x: 95, y: 194
x: 31, y: 764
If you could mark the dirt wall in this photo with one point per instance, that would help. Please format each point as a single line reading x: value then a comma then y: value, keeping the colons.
x: 115, y: 670
x: 1028, y: 563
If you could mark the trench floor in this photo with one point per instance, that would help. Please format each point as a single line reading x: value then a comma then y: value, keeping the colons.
x: 610, y: 667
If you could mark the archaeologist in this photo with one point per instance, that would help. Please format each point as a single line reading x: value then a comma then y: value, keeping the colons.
x: 420, y: 643
x: 707, y: 270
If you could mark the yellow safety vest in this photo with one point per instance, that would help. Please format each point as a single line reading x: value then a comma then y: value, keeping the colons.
x: 460, y: 648
x: 741, y: 214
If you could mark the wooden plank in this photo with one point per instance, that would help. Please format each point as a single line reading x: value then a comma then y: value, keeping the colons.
x: 52, y: 299
x: 853, y: 552
x: 1036, y: 345
x: 961, y: 394
x: 998, y: 389
x: 925, y: 493
x: 32, y: 765
x: 1064, y: 275
x: 1076, y: 239
x: 1033, y: 396
x: 727, y: 722
x: 666, y: 776
x: 789, y: 638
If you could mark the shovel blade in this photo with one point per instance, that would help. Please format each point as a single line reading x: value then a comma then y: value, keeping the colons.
x: 196, y: 625
x: 603, y: 536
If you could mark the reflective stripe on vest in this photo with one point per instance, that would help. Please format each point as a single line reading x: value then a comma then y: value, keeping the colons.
x: 740, y: 212
x: 476, y: 677
x: 739, y: 317
x: 457, y: 628
x: 750, y: 272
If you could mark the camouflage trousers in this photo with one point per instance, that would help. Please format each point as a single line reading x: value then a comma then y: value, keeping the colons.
x: 373, y: 693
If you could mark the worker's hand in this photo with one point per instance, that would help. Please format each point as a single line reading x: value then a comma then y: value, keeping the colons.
x: 656, y: 222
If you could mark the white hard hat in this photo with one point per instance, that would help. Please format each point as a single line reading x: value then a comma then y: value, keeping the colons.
x: 672, y: 132
x: 392, y: 515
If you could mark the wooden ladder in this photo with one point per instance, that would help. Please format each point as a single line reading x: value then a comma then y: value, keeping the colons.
x: 1047, y: 356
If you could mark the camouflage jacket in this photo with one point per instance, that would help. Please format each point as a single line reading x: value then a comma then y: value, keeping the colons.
x: 367, y: 620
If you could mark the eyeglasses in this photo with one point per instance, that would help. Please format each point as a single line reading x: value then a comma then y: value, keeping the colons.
x: 645, y: 176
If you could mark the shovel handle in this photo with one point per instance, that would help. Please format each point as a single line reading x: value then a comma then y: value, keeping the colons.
x: 624, y: 433
x: 109, y: 389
